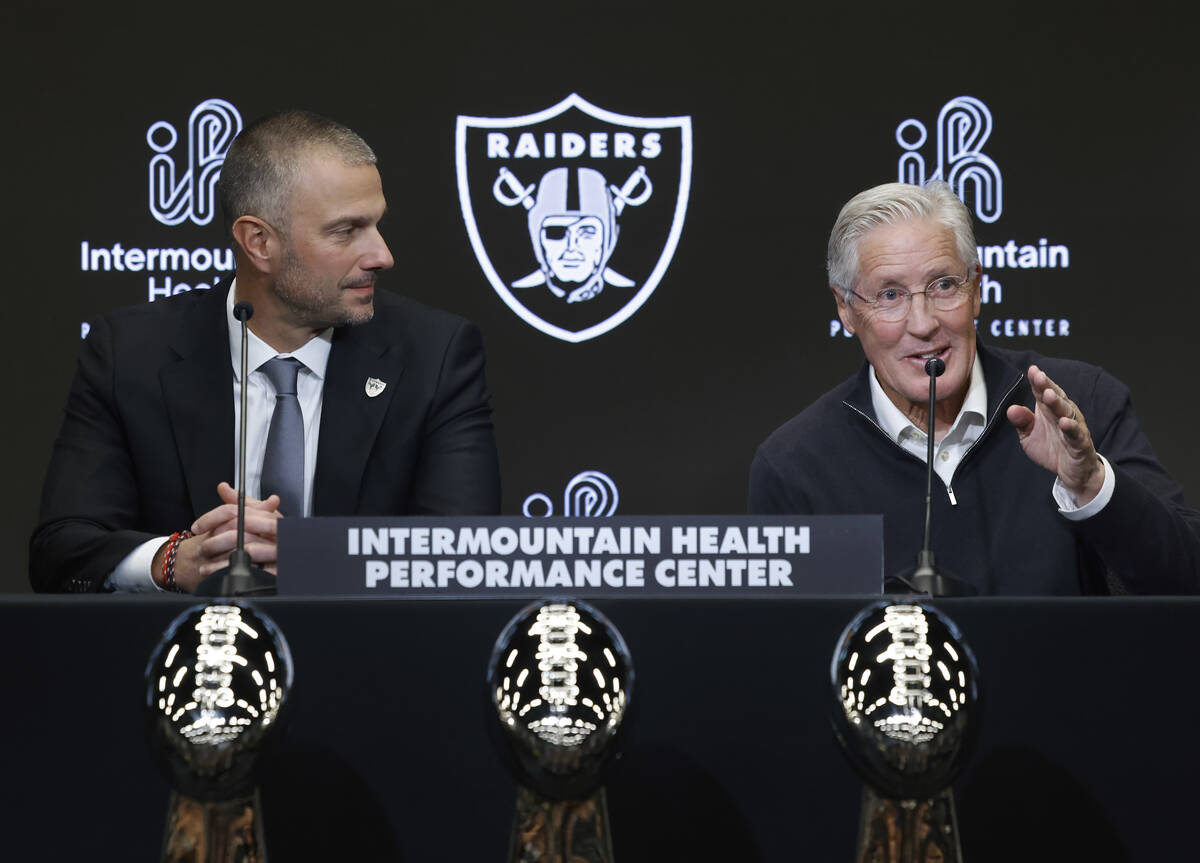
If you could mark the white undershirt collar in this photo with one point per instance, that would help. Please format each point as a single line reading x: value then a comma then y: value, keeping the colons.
x: 899, y: 427
x: 314, y: 353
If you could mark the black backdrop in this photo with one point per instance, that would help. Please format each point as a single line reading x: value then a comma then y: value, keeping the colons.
x: 793, y: 108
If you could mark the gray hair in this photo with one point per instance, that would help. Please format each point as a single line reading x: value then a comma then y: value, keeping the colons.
x: 262, y: 166
x: 887, y: 205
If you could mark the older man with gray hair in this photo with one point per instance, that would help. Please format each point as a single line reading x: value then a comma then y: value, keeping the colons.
x: 1050, y: 487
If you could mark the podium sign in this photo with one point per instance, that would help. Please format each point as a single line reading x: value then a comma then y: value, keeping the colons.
x: 521, y: 558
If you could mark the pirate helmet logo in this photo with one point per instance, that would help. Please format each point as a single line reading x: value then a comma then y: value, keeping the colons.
x: 582, y: 284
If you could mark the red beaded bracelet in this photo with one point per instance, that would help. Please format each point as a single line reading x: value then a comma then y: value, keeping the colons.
x: 168, y: 567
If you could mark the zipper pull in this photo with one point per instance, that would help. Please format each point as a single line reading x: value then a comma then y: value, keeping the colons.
x: 953, y: 500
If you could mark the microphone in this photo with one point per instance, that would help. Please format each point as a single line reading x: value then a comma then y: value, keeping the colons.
x: 928, y: 577
x: 241, y: 577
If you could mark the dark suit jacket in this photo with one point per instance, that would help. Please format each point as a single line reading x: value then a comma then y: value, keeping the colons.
x: 149, y: 429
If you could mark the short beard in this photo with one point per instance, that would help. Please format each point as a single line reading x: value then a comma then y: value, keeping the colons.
x: 304, y: 299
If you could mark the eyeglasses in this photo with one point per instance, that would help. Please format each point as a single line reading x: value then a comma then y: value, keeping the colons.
x: 946, y: 293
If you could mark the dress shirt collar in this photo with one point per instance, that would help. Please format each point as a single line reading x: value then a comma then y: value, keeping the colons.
x: 314, y: 353
x: 897, y: 426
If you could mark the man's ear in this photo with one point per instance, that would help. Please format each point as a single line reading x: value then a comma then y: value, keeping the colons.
x: 259, y: 242
x: 844, y: 310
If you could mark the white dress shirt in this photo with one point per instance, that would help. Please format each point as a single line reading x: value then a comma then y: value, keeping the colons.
x: 133, y: 573
x: 967, y: 427
x: 310, y: 385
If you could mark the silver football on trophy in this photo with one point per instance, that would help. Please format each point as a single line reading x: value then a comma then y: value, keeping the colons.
x: 907, y: 699
x: 215, y: 686
x: 559, y: 681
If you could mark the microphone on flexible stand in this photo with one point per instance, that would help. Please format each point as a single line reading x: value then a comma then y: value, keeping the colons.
x: 241, y: 577
x: 928, y: 577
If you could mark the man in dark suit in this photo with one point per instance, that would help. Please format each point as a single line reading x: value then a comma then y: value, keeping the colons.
x: 391, y: 410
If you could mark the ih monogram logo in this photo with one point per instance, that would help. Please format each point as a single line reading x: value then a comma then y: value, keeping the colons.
x: 963, y: 127
x: 178, y: 194
x: 590, y: 494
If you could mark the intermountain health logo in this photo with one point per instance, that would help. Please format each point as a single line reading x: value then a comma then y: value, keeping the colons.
x: 589, y: 494
x: 954, y: 151
x: 182, y: 172
x: 963, y: 127
x: 574, y: 212
x: 187, y: 191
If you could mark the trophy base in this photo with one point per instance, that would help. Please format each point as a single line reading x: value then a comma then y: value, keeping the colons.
x: 238, y: 581
x: 908, y: 831
x: 560, y: 831
x: 229, y: 831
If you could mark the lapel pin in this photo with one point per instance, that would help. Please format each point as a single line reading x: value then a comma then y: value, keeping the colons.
x: 374, y: 387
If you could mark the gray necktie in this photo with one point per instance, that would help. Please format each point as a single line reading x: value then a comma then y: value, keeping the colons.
x: 283, y: 462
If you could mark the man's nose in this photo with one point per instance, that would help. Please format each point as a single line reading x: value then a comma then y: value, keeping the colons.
x: 921, y: 321
x: 379, y: 257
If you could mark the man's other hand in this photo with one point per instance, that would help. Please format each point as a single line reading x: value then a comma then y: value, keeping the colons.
x: 1055, y: 435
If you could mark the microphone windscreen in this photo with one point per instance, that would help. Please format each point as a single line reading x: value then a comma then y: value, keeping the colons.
x: 934, y: 367
x: 243, y: 311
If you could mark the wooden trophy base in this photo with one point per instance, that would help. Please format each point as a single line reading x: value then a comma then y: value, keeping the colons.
x: 560, y: 831
x: 908, y: 831
x: 229, y: 831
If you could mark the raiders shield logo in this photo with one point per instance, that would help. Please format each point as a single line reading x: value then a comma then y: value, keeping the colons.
x: 574, y: 212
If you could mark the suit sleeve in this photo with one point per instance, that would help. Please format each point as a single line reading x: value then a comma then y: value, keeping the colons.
x: 1147, y: 535
x: 89, y: 501
x: 458, y: 472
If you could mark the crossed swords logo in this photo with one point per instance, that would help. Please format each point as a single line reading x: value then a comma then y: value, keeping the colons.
x: 510, y: 191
